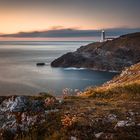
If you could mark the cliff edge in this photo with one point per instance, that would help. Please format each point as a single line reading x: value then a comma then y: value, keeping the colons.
x: 111, y: 55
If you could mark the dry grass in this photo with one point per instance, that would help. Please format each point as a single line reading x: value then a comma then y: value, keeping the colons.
x: 85, y: 115
x: 127, y: 83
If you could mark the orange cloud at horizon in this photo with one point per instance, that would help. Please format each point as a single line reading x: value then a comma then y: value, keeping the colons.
x: 84, y: 15
x: 13, y: 22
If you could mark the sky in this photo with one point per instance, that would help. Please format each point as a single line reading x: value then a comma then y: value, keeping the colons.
x: 39, y: 15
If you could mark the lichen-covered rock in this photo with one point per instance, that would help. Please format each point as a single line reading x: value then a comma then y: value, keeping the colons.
x: 19, y: 104
x: 124, y: 123
x: 98, y: 135
x: 15, y: 104
x: 112, y: 117
x: 20, y: 113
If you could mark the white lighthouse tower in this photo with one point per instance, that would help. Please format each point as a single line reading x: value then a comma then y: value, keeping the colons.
x: 102, y: 36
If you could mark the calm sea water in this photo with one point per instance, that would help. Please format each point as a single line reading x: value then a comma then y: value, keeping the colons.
x: 20, y: 75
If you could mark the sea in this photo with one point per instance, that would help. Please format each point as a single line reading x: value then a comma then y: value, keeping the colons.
x: 20, y: 75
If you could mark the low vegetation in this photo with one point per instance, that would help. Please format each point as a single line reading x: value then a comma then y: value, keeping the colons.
x: 127, y: 83
x: 110, y: 112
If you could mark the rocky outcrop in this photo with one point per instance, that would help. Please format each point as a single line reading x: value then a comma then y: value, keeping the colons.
x: 18, y: 114
x: 111, y: 55
x: 40, y: 64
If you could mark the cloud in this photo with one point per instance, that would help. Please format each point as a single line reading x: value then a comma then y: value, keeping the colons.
x: 59, y: 31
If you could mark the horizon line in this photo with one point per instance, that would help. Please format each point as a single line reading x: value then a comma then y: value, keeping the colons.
x: 68, y: 28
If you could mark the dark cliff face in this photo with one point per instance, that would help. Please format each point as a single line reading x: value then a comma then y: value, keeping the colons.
x: 110, y: 55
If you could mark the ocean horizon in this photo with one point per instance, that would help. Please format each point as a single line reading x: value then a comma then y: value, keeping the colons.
x: 20, y: 75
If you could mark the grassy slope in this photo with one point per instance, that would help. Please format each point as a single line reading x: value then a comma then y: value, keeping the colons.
x: 120, y: 96
x: 88, y: 114
x: 128, y: 83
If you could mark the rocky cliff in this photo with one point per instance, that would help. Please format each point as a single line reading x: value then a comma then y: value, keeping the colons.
x: 111, y: 55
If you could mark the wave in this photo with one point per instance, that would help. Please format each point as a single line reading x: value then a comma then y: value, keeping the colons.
x: 74, y: 68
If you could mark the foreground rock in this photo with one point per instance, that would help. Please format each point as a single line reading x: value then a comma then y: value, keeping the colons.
x: 109, y: 56
x: 18, y: 114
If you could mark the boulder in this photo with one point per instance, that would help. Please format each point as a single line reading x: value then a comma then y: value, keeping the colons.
x: 20, y: 104
x: 40, y: 64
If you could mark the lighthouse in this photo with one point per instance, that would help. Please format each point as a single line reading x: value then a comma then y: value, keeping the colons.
x: 102, y: 36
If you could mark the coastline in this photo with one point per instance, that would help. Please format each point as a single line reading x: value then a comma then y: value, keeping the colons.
x: 110, y: 55
x: 109, y: 111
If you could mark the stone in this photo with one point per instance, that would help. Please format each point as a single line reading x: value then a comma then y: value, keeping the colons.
x: 121, y: 123
x: 19, y: 105
x: 98, y: 135
x: 36, y: 105
x: 124, y: 124
x: 138, y: 124
x: 112, y: 117
x: 130, y: 124
x: 1, y: 117
x: 73, y: 138
x: 50, y: 111
x: 40, y: 64
x: 19, y: 113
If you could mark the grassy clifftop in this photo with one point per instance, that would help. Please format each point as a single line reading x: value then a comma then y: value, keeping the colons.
x: 127, y: 83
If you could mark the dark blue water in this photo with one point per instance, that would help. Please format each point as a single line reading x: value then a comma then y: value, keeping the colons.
x: 20, y: 75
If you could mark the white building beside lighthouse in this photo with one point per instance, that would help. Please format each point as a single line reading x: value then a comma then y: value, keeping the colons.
x: 104, y: 38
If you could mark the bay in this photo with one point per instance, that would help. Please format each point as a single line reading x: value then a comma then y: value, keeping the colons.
x: 20, y: 75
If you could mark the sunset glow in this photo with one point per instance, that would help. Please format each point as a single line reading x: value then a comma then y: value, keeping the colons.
x: 32, y: 15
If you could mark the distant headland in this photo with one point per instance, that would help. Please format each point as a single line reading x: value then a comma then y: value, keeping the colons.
x: 107, y: 55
